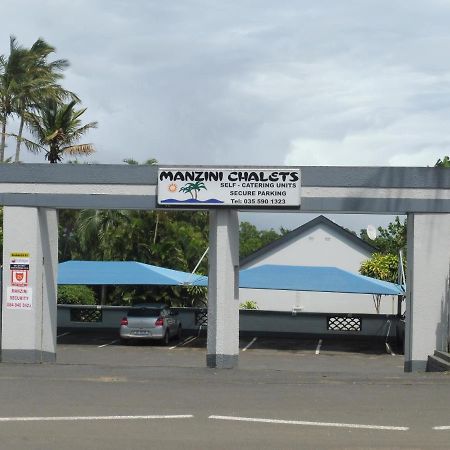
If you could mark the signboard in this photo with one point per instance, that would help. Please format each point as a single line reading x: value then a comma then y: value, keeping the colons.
x: 19, y: 277
x: 19, y: 297
x: 241, y: 188
x: 19, y: 265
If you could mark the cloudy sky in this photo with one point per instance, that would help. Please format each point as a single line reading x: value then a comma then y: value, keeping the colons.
x: 348, y: 82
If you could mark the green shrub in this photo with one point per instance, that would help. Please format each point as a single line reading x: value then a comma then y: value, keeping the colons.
x: 76, y: 295
x: 380, y: 266
x: 249, y: 304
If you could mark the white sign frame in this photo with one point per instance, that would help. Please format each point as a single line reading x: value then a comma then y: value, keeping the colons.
x: 242, y: 188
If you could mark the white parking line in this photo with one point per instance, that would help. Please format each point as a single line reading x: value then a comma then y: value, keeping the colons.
x: 73, y: 418
x: 446, y: 427
x: 315, y: 424
x: 109, y: 343
x: 64, y: 334
x: 319, y: 344
x: 190, y: 340
x: 186, y: 341
x: 389, y: 349
x: 249, y: 344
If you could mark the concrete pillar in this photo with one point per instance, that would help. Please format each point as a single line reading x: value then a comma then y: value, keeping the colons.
x: 223, y: 290
x: 427, y: 297
x: 30, y: 237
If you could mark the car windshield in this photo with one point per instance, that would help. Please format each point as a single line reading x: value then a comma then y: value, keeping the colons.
x: 144, y: 312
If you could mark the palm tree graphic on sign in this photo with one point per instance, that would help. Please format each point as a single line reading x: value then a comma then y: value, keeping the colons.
x: 193, y: 188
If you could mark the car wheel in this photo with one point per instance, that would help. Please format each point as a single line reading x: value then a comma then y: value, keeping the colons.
x: 179, y: 333
x: 166, y: 338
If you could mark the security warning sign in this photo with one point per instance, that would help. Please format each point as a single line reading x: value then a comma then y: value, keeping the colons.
x: 19, y: 262
x: 19, y: 298
x: 20, y: 255
x: 19, y: 277
x: 19, y: 265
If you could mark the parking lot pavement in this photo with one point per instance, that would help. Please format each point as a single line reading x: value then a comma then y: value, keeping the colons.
x: 285, y: 394
x: 325, y: 355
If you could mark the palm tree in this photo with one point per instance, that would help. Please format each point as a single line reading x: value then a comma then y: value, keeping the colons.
x: 94, y: 229
x: 27, y: 78
x: 10, y: 68
x: 196, y: 187
x: 38, y: 81
x: 58, y: 127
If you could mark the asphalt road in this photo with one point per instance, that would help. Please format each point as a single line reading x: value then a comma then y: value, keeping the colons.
x: 285, y: 395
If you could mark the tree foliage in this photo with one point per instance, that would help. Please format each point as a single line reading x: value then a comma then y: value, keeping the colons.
x: 390, y: 239
x: 251, y: 239
x: 383, y: 266
x: 249, y: 304
x: 75, y: 295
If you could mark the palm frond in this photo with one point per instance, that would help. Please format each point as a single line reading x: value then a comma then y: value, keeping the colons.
x: 79, y: 149
x: 76, y: 134
x: 52, y: 136
x: 130, y: 161
x: 59, y: 64
x: 78, y: 113
x: 33, y: 147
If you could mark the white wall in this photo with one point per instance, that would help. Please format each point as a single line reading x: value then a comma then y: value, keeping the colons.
x: 319, y: 246
x: 272, y: 300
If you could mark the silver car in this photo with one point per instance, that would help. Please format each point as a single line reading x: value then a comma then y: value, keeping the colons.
x: 150, y: 321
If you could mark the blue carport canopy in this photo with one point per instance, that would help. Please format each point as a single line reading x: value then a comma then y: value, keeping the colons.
x: 269, y: 276
x: 119, y: 272
x: 312, y: 278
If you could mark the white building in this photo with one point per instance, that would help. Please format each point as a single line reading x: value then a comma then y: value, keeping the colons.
x: 319, y: 242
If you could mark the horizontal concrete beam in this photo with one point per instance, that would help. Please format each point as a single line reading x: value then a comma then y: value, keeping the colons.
x: 390, y: 190
x: 369, y: 177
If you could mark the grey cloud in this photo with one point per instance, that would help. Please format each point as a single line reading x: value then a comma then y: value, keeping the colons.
x: 253, y: 82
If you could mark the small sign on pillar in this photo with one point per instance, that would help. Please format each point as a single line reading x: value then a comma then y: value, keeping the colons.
x: 19, y: 298
x: 19, y: 294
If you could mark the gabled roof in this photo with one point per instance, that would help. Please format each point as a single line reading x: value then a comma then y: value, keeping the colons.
x: 303, y: 229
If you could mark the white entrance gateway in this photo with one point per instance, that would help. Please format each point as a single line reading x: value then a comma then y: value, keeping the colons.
x: 32, y: 193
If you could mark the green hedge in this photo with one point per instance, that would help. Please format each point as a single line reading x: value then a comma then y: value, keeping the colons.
x: 76, y: 295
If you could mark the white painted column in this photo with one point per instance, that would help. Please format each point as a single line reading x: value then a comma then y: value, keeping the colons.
x: 427, y: 297
x: 29, y: 311
x: 223, y: 289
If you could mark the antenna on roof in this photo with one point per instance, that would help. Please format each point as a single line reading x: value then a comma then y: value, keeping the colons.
x: 371, y: 232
